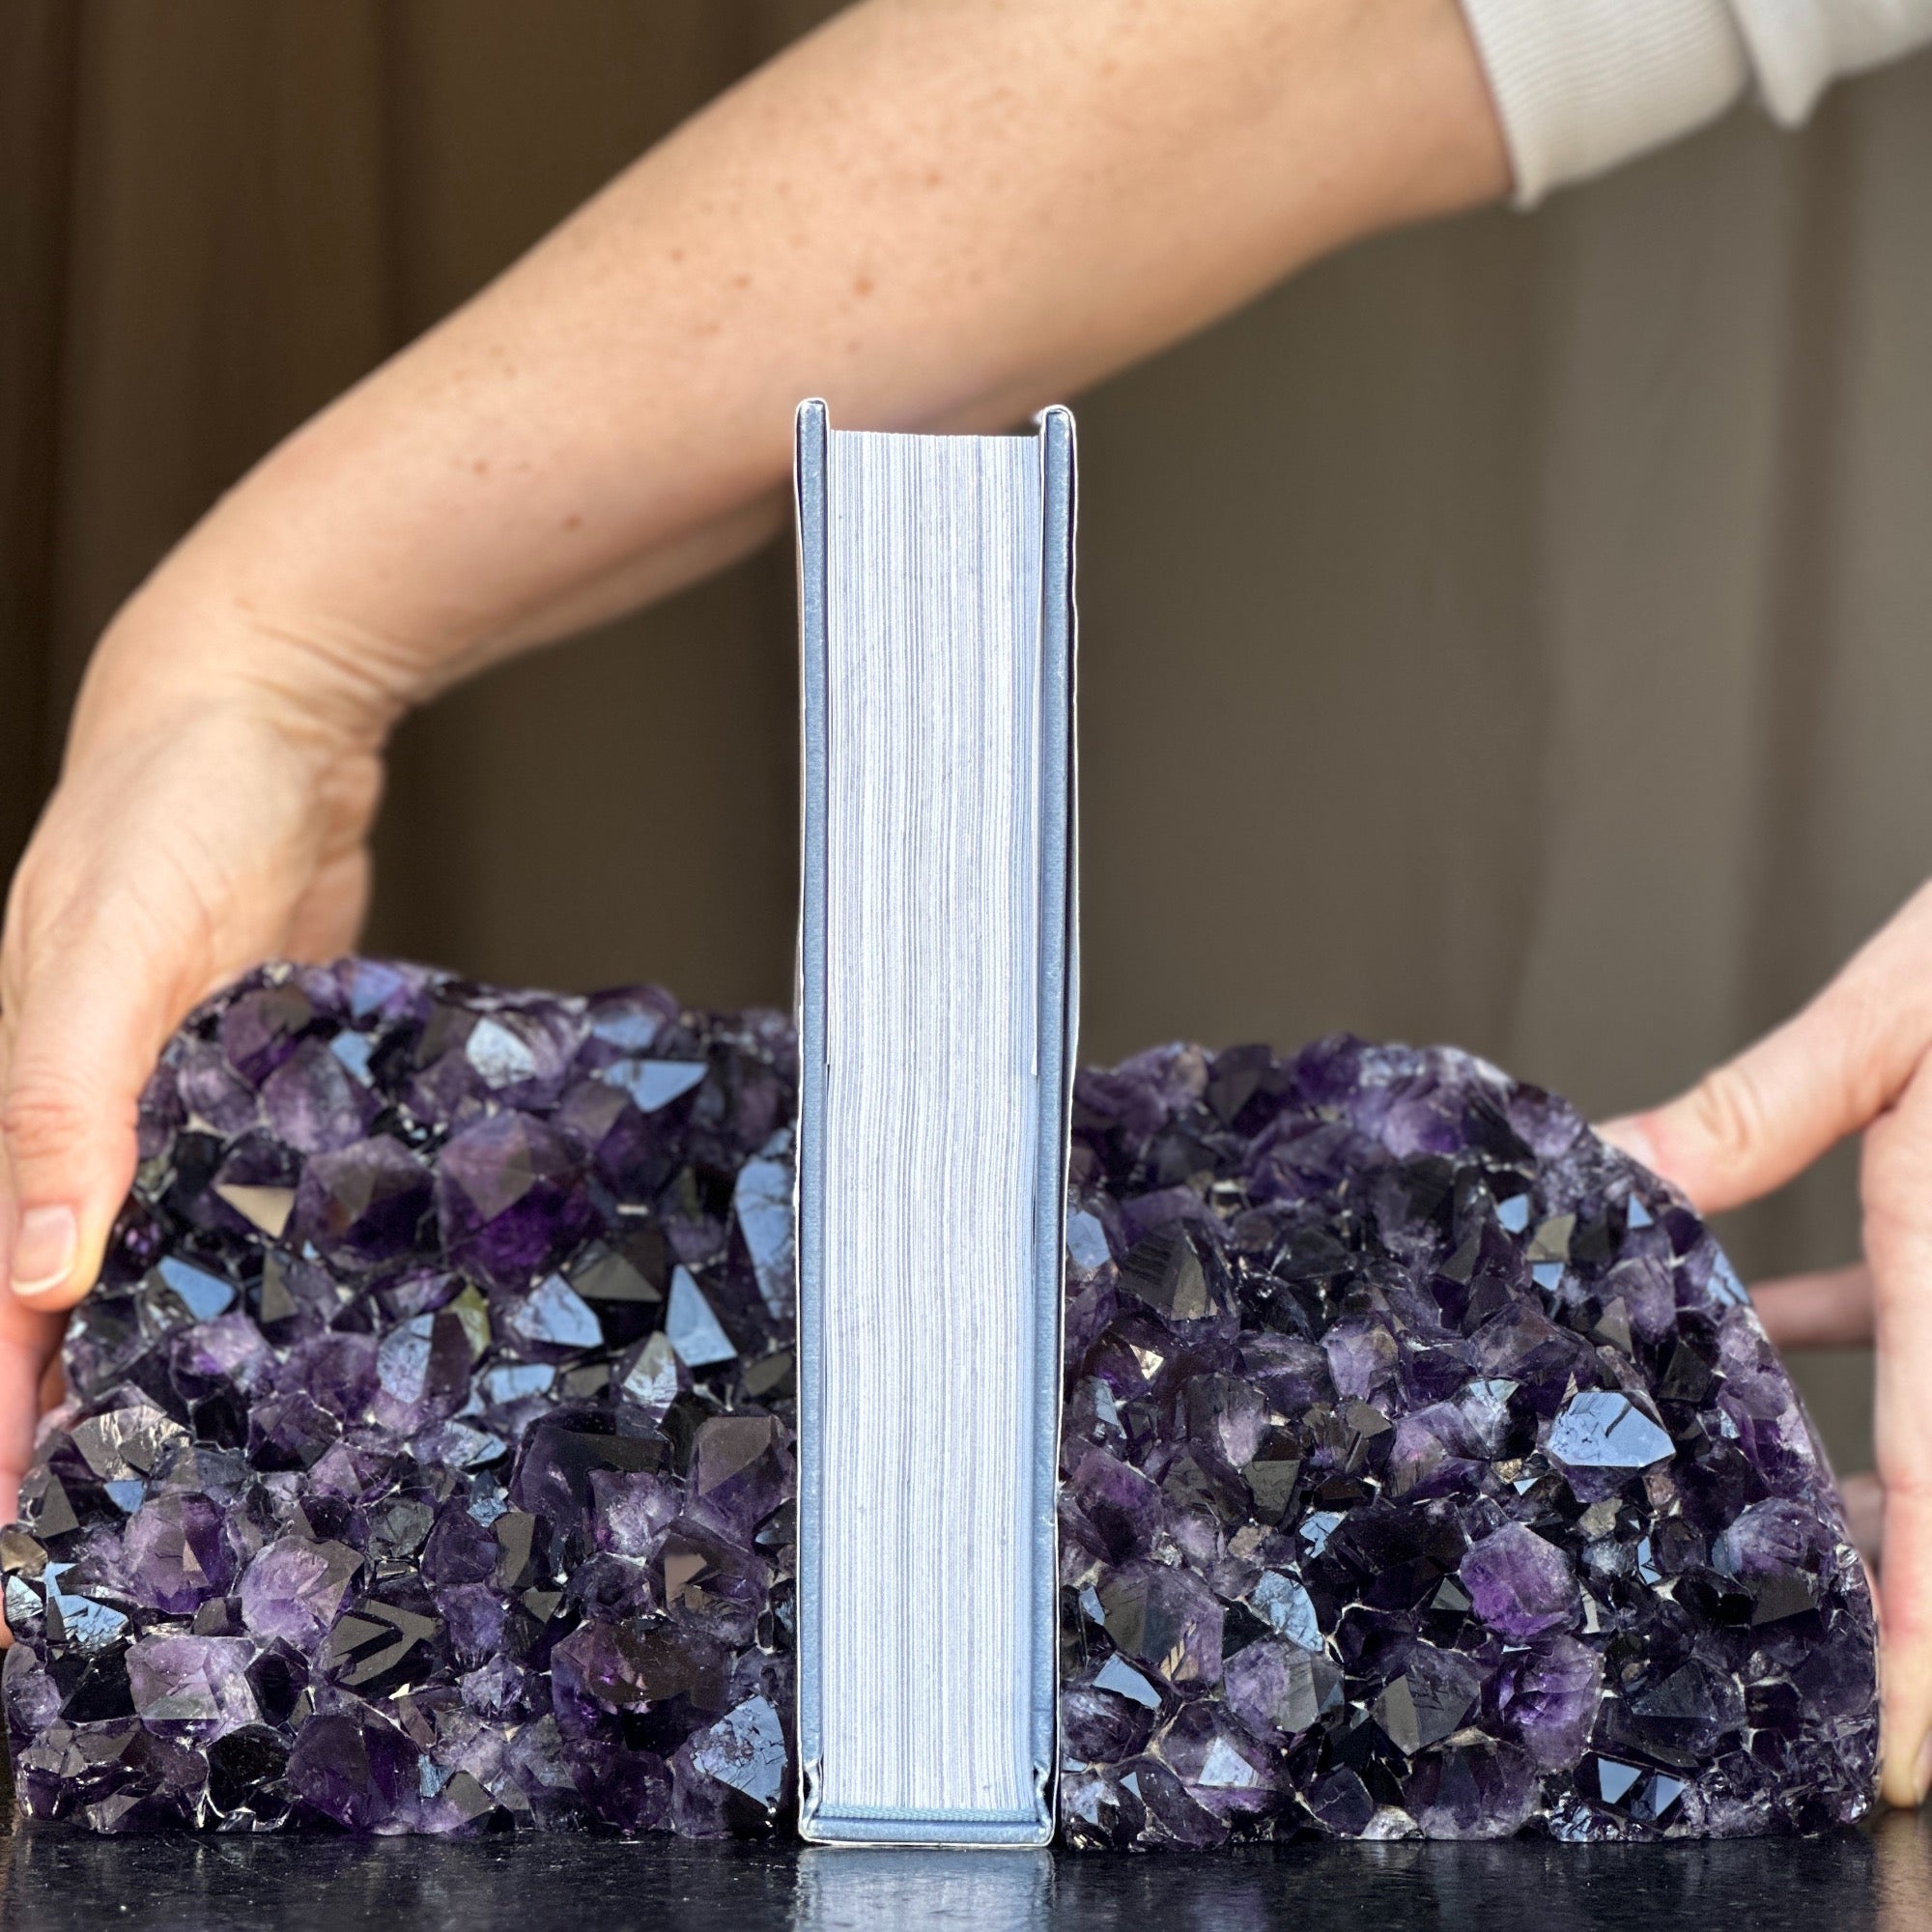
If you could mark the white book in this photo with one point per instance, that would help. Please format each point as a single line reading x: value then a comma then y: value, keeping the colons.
x: 936, y: 999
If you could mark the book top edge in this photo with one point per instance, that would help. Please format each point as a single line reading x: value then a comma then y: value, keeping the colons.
x: 813, y: 413
x: 918, y: 435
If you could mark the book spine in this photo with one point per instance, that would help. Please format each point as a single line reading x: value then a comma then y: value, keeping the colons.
x: 1058, y: 1014
x: 810, y: 458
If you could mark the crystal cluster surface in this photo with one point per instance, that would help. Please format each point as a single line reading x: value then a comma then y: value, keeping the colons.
x: 1426, y: 1470
x: 429, y: 1459
x: 428, y: 1462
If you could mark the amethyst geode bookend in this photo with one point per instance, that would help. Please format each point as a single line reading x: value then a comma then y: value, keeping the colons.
x: 429, y: 1459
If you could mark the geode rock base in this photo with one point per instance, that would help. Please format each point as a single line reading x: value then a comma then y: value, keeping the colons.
x: 429, y: 1461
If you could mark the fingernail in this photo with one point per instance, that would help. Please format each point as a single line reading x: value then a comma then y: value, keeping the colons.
x: 1922, y: 1777
x: 43, y: 1249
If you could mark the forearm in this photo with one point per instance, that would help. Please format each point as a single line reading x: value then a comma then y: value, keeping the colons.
x: 936, y: 212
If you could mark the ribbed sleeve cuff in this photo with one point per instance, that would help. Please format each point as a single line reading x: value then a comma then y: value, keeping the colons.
x: 1580, y: 85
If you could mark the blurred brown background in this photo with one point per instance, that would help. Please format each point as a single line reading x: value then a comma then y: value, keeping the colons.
x: 1512, y: 632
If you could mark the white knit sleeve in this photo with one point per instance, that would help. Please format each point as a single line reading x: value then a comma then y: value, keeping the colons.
x: 1799, y: 46
x: 1580, y: 85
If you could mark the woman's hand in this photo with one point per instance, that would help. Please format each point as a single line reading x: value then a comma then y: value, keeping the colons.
x: 1857, y: 1059
x: 218, y: 793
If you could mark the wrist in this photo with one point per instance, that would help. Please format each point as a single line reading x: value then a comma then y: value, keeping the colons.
x: 187, y: 643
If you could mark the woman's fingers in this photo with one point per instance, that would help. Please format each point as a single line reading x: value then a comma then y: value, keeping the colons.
x: 85, y: 1018
x: 1830, y: 1308
x: 1757, y: 1120
x: 1864, y: 1496
x: 1897, y: 1192
x: 29, y: 1338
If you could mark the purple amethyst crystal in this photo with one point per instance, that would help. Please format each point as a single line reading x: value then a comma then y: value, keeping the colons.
x: 430, y: 1460
x: 1519, y: 1584
x: 1457, y: 1430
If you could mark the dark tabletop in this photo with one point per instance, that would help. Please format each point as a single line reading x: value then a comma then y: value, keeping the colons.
x: 1880, y: 1877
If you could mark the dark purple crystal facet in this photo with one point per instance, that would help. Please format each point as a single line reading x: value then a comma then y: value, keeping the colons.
x: 429, y: 1461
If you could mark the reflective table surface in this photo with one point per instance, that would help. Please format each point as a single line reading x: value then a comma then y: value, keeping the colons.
x: 1879, y: 1877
